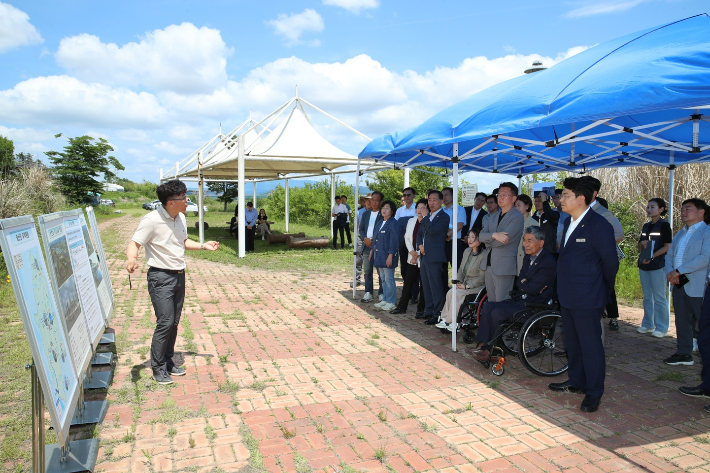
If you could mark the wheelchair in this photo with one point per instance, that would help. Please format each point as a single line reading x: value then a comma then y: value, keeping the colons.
x: 534, y: 335
x: 468, y: 314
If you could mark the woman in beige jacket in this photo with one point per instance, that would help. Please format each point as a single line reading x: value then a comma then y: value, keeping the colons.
x: 470, y: 277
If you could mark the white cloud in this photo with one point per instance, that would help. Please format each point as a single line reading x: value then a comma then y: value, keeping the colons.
x: 292, y: 26
x: 180, y: 58
x: 353, y: 6
x: 602, y: 8
x: 16, y: 29
x: 68, y: 101
x: 508, y: 48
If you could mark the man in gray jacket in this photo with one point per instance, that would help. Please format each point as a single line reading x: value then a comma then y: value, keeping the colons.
x: 686, y: 267
x: 501, y: 234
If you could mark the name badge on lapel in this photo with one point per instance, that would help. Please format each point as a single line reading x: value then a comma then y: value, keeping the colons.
x: 581, y: 240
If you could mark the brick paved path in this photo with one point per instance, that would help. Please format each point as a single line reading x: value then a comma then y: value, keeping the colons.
x: 285, y: 371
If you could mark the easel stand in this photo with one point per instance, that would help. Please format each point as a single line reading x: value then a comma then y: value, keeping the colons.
x: 79, y: 456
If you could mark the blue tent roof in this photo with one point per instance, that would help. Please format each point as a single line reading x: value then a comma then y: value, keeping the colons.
x: 635, y: 100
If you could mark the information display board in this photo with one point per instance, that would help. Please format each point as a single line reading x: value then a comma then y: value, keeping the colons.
x: 98, y: 244
x: 44, y: 327
x: 546, y: 187
x: 89, y: 299
x: 64, y: 282
x: 97, y: 271
x: 468, y: 194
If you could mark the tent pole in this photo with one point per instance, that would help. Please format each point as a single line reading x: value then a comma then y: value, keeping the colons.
x: 671, y: 182
x: 407, y: 171
x: 254, y: 199
x: 520, y: 183
x: 160, y: 177
x: 332, y: 204
x: 454, y: 246
x: 355, y: 228
x: 241, y: 219
x: 286, y: 204
x: 200, y: 199
x: 177, y: 169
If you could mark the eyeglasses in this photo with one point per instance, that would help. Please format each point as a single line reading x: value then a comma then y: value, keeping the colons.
x: 505, y: 195
x: 180, y: 198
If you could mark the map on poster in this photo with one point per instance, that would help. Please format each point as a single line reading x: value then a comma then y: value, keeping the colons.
x: 98, y: 244
x: 40, y: 317
x: 61, y: 267
x: 81, y: 266
x: 97, y: 271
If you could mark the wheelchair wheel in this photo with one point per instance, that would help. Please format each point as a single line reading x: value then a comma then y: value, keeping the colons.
x: 469, y: 338
x: 541, y: 347
x: 508, y: 340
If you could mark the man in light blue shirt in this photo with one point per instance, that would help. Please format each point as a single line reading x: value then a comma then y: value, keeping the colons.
x: 461, y: 221
x: 250, y: 221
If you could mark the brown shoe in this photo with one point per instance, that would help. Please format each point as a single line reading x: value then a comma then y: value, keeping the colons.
x: 484, y: 355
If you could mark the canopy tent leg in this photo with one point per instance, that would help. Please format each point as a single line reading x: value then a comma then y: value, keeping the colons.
x: 332, y: 204
x: 160, y: 177
x: 671, y: 182
x: 254, y: 199
x: 241, y: 219
x: 520, y: 183
x: 454, y: 247
x: 286, y: 204
x: 200, y: 199
x: 355, y: 228
x: 407, y: 171
x: 177, y: 170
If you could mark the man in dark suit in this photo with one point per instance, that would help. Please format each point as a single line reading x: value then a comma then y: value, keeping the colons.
x: 431, y: 241
x: 535, y: 285
x: 475, y: 214
x: 365, y: 232
x: 586, y: 271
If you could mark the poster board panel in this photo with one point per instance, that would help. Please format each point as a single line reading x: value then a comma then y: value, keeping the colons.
x: 547, y: 187
x: 97, y: 271
x: 468, y: 194
x: 44, y: 327
x: 63, y: 282
x: 89, y: 299
x: 94, y: 227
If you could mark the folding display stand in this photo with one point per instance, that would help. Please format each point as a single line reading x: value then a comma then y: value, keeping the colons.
x: 76, y: 456
x: 101, y: 358
x: 107, y: 339
x: 96, y: 379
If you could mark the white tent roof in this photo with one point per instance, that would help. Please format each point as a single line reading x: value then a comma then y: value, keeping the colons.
x: 293, y: 147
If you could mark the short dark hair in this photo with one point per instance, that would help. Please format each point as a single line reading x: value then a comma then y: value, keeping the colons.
x: 450, y: 189
x: 580, y: 186
x: 661, y: 204
x: 509, y: 185
x: 374, y: 193
x: 481, y: 193
x: 438, y: 193
x: 344, y: 197
x: 409, y: 189
x: 594, y: 182
x: 602, y: 201
x: 558, y: 191
x: 169, y: 189
x: 423, y: 201
x: 492, y: 196
x: 337, y: 197
x: 699, y: 204
x: 250, y: 204
x: 393, y: 207
x: 524, y: 198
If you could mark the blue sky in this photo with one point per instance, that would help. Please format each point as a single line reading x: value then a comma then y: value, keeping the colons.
x: 156, y: 78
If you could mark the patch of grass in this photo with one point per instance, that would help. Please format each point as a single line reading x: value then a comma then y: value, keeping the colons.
x: 375, y: 336
x: 191, y: 441
x: 699, y: 439
x: 228, y: 387
x: 236, y: 315
x: 493, y: 384
x: 258, y: 385
x: 669, y: 375
x: 210, y: 433
x: 381, y: 454
x: 345, y: 468
x: 301, y: 463
x: 382, y: 415
x: 172, y: 432
x: 428, y: 427
x: 143, y: 351
x: 372, y: 342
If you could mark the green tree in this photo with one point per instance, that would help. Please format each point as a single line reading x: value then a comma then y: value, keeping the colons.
x: 7, y: 157
x: 81, y: 162
x: 391, y: 181
x: 228, y: 191
x: 309, y: 204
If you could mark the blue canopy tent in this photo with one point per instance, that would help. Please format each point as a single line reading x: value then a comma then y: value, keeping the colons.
x: 637, y: 100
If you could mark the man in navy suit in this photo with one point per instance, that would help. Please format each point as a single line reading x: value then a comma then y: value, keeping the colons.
x: 365, y: 232
x: 535, y: 285
x: 431, y: 241
x: 586, y: 271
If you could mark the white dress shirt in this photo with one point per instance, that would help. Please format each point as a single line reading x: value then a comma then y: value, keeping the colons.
x: 403, y: 211
x: 573, y: 224
x: 371, y: 223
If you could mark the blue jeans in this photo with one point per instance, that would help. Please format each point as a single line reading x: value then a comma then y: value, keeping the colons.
x: 388, y: 284
x: 367, y: 269
x: 655, y: 302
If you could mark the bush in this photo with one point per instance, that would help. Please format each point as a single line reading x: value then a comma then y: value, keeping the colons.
x: 309, y: 205
x: 32, y: 192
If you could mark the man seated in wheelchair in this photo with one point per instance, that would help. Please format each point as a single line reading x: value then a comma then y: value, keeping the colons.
x: 534, y: 285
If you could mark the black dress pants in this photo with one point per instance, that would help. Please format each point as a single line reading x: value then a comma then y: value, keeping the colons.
x: 167, y: 293
x: 410, y: 280
x: 249, y: 240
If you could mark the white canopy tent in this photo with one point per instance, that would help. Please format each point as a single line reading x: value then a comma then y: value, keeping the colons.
x: 267, y: 150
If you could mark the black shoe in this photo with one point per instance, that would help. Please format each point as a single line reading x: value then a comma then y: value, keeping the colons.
x: 613, y: 326
x: 421, y: 315
x: 397, y: 310
x: 162, y: 377
x: 695, y: 391
x: 590, y: 404
x: 432, y: 320
x: 677, y: 359
x: 415, y: 300
x: 565, y: 387
x: 176, y: 371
